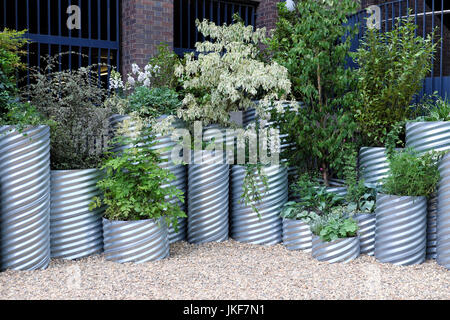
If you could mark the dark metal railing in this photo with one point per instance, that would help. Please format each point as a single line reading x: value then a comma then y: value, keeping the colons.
x: 218, y: 11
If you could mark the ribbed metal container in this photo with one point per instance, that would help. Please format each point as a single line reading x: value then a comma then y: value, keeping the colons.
x: 24, y: 198
x: 297, y: 235
x: 163, y: 144
x: 75, y: 231
x: 341, y: 250
x: 430, y: 135
x: 432, y: 208
x: 208, y: 194
x: 246, y: 226
x: 401, y: 229
x: 135, y: 241
x: 366, y: 230
x: 373, y: 165
x: 443, y: 216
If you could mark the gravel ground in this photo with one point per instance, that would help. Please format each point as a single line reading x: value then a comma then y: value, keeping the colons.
x: 228, y: 270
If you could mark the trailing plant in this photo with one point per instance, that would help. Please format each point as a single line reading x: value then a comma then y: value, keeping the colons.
x: 412, y: 174
x: 73, y: 100
x: 135, y: 186
x: 315, y: 198
x: 313, y: 43
x: 227, y: 75
x: 392, y: 66
x: 11, y: 42
x: 333, y: 227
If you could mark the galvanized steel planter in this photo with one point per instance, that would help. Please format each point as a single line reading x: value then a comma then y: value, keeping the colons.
x: 443, y: 216
x: 164, y: 145
x: 432, y: 208
x: 401, y: 229
x: 429, y: 135
x: 25, y: 198
x: 373, y: 165
x: 366, y: 231
x: 297, y: 235
x: 135, y: 241
x: 208, y: 194
x: 341, y: 250
x: 75, y: 231
x: 246, y: 226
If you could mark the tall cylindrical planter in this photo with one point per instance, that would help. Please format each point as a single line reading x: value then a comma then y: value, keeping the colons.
x: 208, y: 194
x: 341, y: 250
x: 373, y: 165
x: 428, y: 135
x: 75, y: 231
x: 163, y: 144
x: 443, y: 216
x: 25, y: 198
x: 297, y: 235
x: 135, y: 241
x: 401, y: 229
x: 432, y: 226
x: 246, y: 225
x: 366, y: 231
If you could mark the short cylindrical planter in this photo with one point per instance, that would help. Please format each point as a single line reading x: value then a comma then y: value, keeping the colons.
x: 401, y: 229
x: 341, y: 250
x: 75, y: 231
x: 366, y: 231
x: 297, y: 235
x: 246, y: 225
x: 443, y: 216
x: 135, y: 241
x: 428, y: 135
x: 208, y: 194
x: 373, y: 165
x: 24, y: 198
x: 432, y: 226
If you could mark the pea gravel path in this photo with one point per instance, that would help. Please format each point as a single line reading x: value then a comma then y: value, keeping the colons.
x: 228, y: 270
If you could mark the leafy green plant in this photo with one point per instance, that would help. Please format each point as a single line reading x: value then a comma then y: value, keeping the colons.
x: 153, y: 102
x: 314, y: 197
x: 433, y: 108
x: 313, y: 43
x: 333, y: 227
x: 73, y: 100
x: 412, y: 174
x: 392, y: 66
x: 135, y: 186
x: 166, y: 60
x: 296, y: 211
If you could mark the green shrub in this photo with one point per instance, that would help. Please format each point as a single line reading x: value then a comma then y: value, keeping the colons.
x: 433, y: 108
x: 412, y: 174
x: 333, y: 227
x: 392, y: 66
x: 153, y: 102
x: 135, y: 186
x: 296, y: 211
x: 166, y: 60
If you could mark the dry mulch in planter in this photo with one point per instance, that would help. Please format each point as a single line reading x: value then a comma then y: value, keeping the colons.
x: 228, y: 270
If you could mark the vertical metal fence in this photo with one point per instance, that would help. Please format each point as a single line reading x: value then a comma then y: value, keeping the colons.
x: 220, y: 12
x: 47, y: 23
x: 427, y: 15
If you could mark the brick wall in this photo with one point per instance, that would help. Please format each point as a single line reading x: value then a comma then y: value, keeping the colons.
x: 266, y: 15
x: 145, y: 24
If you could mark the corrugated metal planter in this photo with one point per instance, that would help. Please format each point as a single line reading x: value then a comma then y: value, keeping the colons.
x: 75, y: 231
x: 163, y: 144
x: 297, y: 235
x: 432, y: 226
x: 208, y: 194
x: 135, y: 241
x: 25, y: 198
x: 373, y: 165
x: 366, y: 231
x: 246, y: 226
x: 341, y: 250
x: 401, y: 229
x: 430, y: 135
x: 443, y: 216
